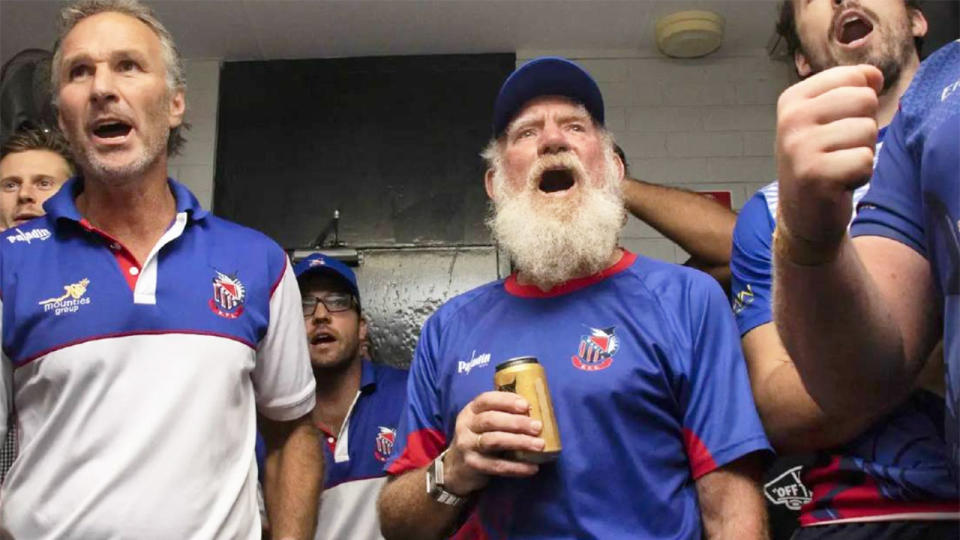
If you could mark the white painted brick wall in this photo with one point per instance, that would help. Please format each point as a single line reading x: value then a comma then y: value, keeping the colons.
x: 195, y: 165
x: 702, y: 124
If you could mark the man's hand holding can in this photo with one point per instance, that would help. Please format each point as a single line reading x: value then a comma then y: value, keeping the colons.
x: 493, y: 424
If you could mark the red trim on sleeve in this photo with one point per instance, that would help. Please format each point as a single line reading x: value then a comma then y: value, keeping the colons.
x: 701, y: 461
x: 532, y: 291
x: 472, y: 529
x: 422, y: 446
x: 280, y: 277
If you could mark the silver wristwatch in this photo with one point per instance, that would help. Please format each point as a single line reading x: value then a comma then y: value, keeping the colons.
x: 435, y: 484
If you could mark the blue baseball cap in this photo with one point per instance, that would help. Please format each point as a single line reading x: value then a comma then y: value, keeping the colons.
x: 319, y: 262
x: 546, y: 76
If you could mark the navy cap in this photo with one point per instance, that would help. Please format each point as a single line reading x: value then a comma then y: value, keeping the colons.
x: 319, y: 262
x: 546, y: 76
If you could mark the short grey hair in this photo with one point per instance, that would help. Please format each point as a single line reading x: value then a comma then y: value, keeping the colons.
x: 76, y: 11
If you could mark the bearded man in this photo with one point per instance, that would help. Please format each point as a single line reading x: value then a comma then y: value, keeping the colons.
x: 660, y: 436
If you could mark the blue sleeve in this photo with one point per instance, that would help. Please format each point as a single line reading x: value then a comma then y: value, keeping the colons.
x: 420, y: 435
x: 720, y: 419
x: 751, y: 269
x: 892, y: 207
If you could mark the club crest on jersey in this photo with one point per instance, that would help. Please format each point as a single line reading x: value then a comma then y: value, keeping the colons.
x: 385, y: 440
x: 70, y: 301
x: 228, y: 296
x: 596, y: 350
x: 788, y: 489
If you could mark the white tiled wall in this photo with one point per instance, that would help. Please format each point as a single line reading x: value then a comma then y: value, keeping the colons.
x: 195, y: 164
x: 702, y: 124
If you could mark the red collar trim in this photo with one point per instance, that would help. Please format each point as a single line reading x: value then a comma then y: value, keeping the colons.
x: 531, y: 291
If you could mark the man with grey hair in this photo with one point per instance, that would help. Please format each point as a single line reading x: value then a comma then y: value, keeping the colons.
x: 134, y: 382
x: 660, y: 437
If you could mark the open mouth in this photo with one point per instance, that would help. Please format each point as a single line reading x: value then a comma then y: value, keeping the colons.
x: 322, y: 338
x: 852, y: 27
x: 111, y: 129
x: 554, y: 180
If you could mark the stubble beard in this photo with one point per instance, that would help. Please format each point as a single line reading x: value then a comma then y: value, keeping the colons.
x: 891, y: 52
x: 154, y: 147
x: 553, y: 240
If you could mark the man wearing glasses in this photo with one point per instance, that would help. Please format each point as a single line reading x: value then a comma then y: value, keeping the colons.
x: 358, y: 402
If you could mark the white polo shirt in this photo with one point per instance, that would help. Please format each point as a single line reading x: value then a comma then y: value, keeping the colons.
x: 135, y: 388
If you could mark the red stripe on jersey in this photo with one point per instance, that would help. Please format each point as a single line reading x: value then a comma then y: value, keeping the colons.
x: 132, y: 333
x: 472, y: 529
x: 831, y: 491
x: 422, y: 446
x: 701, y: 461
x: 276, y: 283
x: 123, y: 256
x: 531, y: 291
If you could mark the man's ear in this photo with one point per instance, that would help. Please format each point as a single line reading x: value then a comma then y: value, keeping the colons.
x: 178, y: 107
x: 804, y: 69
x: 620, y: 167
x: 362, y: 329
x: 918, y: 23
x: 488, y: 183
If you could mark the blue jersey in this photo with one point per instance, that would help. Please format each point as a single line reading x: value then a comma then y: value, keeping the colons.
x: 914, y: 197
x: 896, y: 469
x: 354, y: 457
x: 648, y: 385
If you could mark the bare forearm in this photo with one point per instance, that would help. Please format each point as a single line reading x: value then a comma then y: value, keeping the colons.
x: 699, y: 225
x: 841, y: 335
x: 293, y: 484
x: 794, y: 422
x: 406, y: 511
x: 792, y: 419
x: 731, y: 505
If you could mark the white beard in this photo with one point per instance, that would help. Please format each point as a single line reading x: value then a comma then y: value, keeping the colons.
x: 554, y: 240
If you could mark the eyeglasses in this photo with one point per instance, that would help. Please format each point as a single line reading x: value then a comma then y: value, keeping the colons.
x: 333, y: 302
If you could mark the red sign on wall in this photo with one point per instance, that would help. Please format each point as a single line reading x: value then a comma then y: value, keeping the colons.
x: 723, y: 197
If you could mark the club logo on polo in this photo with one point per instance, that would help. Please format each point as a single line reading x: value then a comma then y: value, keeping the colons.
x: 70, y: 301
x: 385, y: 440
x: 228, y: 296
x: 596, y: 350
x: 788, y: 489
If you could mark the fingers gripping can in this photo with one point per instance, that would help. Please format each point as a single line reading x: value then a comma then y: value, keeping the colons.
x: 525, y: 376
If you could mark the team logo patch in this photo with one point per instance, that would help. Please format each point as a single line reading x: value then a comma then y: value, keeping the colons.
x: 70, y: 301
x: 29, y: 236
x: 385, y: 440
x: 596, y: 350
x: 788, y: 490
x: 228, y: 296
x: 743, y: 299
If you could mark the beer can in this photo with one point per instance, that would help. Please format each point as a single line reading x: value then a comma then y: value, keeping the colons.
x: 525, y: 376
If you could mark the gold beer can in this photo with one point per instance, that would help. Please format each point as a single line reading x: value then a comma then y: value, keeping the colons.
x: 525, y: 376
